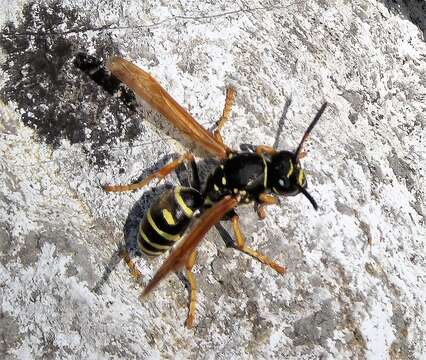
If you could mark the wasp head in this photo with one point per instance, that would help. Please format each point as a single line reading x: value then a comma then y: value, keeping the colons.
x: 286, y: 174
x: 287, y: 177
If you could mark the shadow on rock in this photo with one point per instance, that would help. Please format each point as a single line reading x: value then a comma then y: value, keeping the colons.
x: 413, y: 10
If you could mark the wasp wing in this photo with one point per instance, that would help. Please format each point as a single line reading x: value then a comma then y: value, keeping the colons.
x: 189, y: 243
x: 145, y: 86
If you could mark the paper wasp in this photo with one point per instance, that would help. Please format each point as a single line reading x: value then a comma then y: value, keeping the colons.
x: 240, y: 178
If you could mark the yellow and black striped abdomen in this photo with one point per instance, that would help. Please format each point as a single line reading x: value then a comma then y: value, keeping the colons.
x: 167, y: 219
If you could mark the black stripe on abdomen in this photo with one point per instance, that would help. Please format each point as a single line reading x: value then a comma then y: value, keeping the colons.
x: 155, y: 240
x: 167, y: 219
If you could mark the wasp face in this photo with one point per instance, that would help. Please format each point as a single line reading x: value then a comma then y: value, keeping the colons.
x: 285, y: 174
x: 287, y: 177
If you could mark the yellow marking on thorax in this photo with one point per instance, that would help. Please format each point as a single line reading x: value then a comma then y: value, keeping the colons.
x: 188, y: 212
x: 157, y: 229
x: 301, y: 177
x: 215, y: 187
x: 265, y: 173
x: 223, y: 180
x: 290, y: 170
x: 167, y: 215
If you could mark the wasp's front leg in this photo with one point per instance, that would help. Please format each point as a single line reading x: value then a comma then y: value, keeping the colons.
x: 264, y: 201
x: 265, y: 149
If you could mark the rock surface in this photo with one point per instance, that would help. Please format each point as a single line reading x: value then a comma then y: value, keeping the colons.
x: 355, y: 286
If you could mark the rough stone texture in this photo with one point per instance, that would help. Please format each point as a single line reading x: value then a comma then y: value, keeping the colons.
x: 355, y: 286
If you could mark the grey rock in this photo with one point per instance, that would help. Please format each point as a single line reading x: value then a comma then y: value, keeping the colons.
x: 355, y: 280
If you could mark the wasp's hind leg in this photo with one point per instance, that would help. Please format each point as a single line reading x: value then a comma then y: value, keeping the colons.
x: 124, y: 254
x: 229, y: 101
x: 193, y: 289
x: 160, y: 174
x: 245, y: 249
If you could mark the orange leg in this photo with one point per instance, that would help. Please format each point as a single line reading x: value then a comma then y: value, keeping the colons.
x: 261, y: 212
x: 242, y: 247
x: 124, y: 254
x: 192, y: 303
x: 265, y: 200
x: 229, y: 101
x: 265, y: 149
x: 268, y: 199
x: 160, y: 174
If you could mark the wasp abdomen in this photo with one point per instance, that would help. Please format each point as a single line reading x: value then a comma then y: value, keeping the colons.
x: 167, y: 219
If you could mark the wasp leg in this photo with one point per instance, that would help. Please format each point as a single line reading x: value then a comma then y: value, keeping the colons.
x: 160, y: 174
x: 242, y: 247
x: 265, y: 149
x: 193, y: 290
x: 261, y: 212
x: 124, y: 254
x: 229, y: 101
x: 265, y: 200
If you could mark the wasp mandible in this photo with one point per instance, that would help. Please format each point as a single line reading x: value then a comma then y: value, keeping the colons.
x: 241, y: 177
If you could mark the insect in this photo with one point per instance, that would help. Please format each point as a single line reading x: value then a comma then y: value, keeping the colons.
x: 260, y: 176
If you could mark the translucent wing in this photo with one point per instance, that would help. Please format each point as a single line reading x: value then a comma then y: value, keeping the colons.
x: 145, y: 86
x: 189, y: 243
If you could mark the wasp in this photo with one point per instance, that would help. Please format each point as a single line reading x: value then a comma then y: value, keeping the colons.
x: 242, y: 177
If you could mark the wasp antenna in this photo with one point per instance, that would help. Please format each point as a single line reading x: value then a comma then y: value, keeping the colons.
x: 309, y: 129
x: 309, y: 197
x: 281, y: 123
